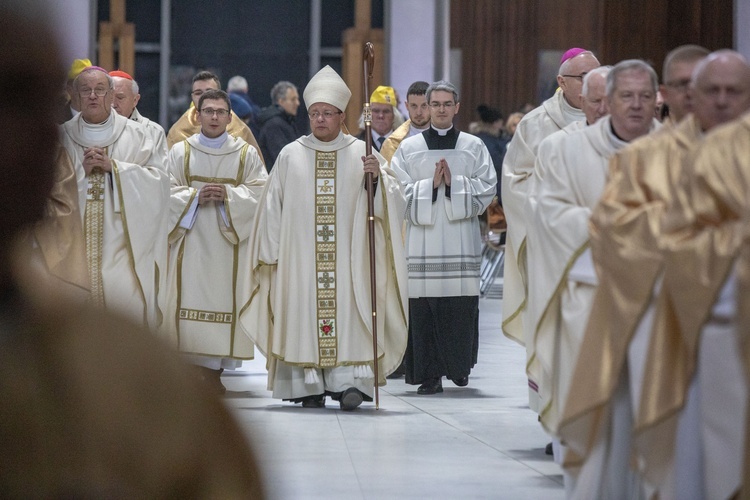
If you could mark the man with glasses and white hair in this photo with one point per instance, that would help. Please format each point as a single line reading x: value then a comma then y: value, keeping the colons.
x: 123, y: 191
x: 449, y: 180
x: 217, y: 180
x: 311, y: 313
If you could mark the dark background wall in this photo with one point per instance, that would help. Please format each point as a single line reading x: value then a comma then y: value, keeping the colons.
x: 501, y: 41
x: 263, y: 40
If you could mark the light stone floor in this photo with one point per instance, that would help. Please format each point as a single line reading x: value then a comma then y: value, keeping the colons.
x: 481, y: 441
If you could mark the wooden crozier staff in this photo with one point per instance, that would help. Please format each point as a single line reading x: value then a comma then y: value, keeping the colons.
x: 368, y: 60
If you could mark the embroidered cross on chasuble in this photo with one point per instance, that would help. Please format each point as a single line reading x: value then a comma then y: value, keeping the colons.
x: 94, y: 233
x: 325, y: 256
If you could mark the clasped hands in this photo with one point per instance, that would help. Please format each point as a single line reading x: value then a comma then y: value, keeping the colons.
x: 442, y: 174
x: 212, y: 192
x: 94, y: 157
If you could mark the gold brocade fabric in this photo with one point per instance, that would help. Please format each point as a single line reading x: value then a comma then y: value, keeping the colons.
x: 702, y: 239
x: 393, y: 141
x: 94, y: 233
x: 60, y: 234
x: 625, y: 229
x: 325, y: 255
x: 188, y: 125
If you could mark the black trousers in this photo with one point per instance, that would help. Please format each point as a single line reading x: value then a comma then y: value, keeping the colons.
x: 443, y: 338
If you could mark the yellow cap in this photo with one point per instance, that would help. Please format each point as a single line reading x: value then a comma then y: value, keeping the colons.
x: 78, y: 66
x: 383, y: 95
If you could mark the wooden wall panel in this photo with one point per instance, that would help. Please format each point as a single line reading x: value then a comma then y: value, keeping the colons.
x: 500, y: 40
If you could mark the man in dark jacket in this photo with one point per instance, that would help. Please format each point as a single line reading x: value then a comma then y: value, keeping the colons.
x: 278, y: 122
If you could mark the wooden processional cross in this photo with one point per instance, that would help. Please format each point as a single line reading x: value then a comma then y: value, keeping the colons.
x: 116, y: 33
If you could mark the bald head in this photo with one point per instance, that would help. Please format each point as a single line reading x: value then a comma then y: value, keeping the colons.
x: 570, y: 76
x: 720, y: 88
x: 678, y: 70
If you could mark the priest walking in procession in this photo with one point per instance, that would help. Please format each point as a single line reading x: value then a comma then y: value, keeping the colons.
x: 217, y: 180
x: 567, y: 195
x: 449, y: 180
x: 123, y: 190
x: 311, y: 312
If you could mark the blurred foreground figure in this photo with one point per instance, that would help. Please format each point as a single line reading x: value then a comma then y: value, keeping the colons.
x: 90, y: 406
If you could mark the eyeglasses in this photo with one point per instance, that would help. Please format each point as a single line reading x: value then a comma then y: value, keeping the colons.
x: 679, y: 85
x: 325, y: 114
x: 97, y: 92
x: 446, y: 105
x: 221, y: 113
x: 577, y: 77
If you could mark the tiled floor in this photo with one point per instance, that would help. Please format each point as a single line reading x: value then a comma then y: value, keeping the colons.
x: 481, y: 441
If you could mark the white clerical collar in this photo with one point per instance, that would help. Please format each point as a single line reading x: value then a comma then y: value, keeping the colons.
x: 415, y: 130
x: 97, y: 132
x: 215, y: 143
x: 441, y: 131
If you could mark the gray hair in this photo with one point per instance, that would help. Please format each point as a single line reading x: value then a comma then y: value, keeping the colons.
x: 237, y: 84
x: 110, y: 81
x: 278, y: 92
x: 602, y: 71
x: 443, y: 85
x: 630, y: 65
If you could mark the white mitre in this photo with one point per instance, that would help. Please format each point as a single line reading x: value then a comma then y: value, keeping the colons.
x: 328, y: 87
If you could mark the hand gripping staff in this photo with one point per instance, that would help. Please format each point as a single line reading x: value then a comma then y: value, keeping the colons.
x: 368, y: 60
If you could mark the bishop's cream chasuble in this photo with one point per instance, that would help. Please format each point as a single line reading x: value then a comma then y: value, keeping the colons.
x: 209, y: 267
x: 312, y: 305
x: 547, y: 158
x: 124, y: 217
x: 554, y: 114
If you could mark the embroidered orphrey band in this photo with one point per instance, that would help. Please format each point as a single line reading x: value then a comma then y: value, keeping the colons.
x: 94, y: 233
x: 205, y: 316
x: 325, y: 255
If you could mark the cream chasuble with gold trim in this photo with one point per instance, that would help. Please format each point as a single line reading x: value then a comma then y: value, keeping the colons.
x: 570, y: 190
x: 124, y: 214
x: 310, y: 254
x: 209, y: 266
x: 518, y: 166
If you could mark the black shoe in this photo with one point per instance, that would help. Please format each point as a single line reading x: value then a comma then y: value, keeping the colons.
x: 317, y: 401
x: 548, y: 449
x: 350, y: 399
x: 432, y: 386
x: 461, y: 382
